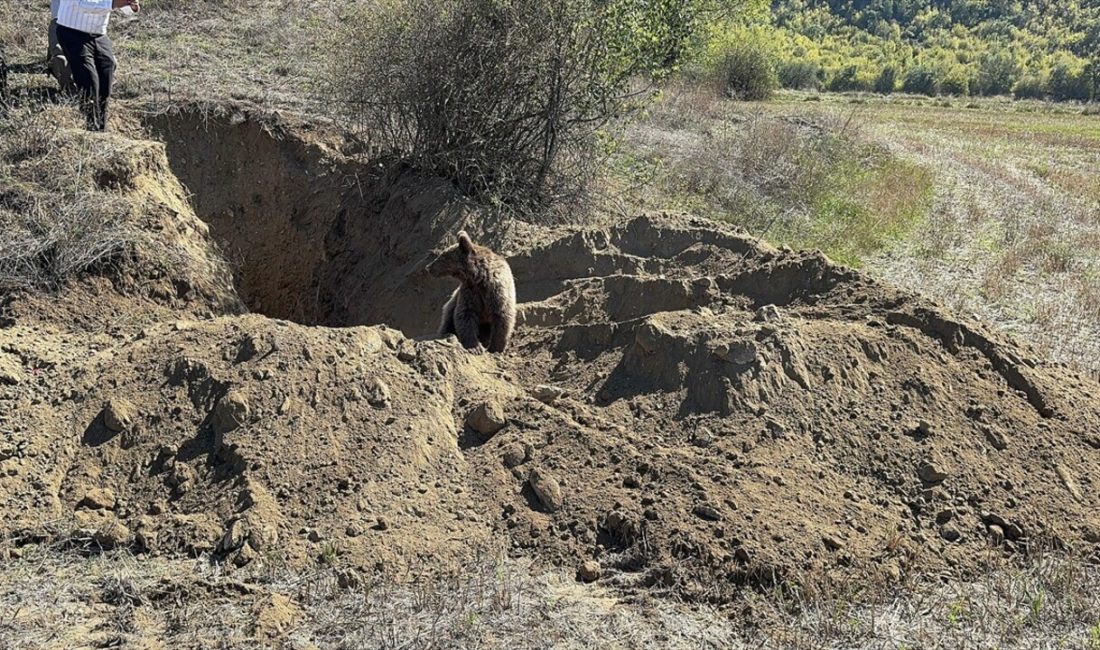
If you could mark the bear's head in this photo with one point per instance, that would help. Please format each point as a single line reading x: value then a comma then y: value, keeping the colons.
x: 461, y: 261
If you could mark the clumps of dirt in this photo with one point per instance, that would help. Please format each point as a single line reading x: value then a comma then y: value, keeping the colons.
x: 683, y: 408
x: 252, y: 438
x: 766, y: 415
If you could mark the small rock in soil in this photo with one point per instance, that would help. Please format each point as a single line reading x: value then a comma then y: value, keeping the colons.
x: 769, y: 314
x: 486, y: 418
x: 98, y: 499
x: 547, y: 394
x: 702, y: 438
x: 589, y: 571
x: 514, y: 455
x: 546, y: 488
x: 995, y: 438
x: 110, y: 533
x: 950, y: 533
x: 231, y: 411
x: 932, y: 472
x: 118, y: 415
x: 378, y: 393
x: 703, y: 511
x: 11, y: 373
x: 1011, y: 530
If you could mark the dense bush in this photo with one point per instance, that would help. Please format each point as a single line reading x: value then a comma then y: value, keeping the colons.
x: 1029, y: 87
x: 997, y: 73
x: 955, y: 82
x: 504, y: 97
x: 748, y: 72
x: 921, y: 80
x: 800, y: 75
x: 1069, y: 83
x: 887, y: 80
x: 849, y: 78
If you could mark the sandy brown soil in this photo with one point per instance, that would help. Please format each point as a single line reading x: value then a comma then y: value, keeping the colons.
x: 688, y: 408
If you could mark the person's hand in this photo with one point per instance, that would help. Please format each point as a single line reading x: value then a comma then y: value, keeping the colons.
x: 133, y: 4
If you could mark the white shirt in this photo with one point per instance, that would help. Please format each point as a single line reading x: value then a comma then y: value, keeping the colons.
x: 55, y: 5
x: 89, y: 16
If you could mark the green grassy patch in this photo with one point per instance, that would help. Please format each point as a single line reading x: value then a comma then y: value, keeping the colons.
x: 808, y: 181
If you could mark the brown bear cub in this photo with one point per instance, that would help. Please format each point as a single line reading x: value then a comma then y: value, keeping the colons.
x: 482, y: 310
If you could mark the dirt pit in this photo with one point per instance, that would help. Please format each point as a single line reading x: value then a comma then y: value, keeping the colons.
x: 312, y: 236
x: 690, y: 408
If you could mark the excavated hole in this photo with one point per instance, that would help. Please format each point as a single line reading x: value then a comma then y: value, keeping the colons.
x: 312, y: 237
x: 319, y: 239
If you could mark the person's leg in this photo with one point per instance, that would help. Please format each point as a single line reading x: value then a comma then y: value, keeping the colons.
x: 105, y: 67
x: 59, y: 63
x: 51, y: 36
x: 79, y: 50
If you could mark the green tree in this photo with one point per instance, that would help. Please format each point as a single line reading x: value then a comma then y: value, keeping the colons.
x: 748, y: 71
x: 1066, y: 82
x: 998, y: 70
x: 848, y: 78
x: 955, y: 82
x: 1029, y: 87
x: 887, y: 80
x: 921, y: 80
x: 801, y: 75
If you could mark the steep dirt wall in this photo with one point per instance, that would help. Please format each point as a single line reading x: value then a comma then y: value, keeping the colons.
x: 314, y: 237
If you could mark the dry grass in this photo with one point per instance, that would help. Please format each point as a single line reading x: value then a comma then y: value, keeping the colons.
x: 1014, y: 231
x: 811, y: 181
x: 54, y: 598
x: 58, y: 218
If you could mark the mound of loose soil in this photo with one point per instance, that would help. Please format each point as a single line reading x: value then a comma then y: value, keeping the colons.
x: 684, y: 405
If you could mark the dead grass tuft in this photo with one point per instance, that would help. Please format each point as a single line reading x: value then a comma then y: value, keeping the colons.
x: 57, y: 222
x: 51, y: 597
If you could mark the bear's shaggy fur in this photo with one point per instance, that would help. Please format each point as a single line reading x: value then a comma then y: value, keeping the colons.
x: 482, y: 310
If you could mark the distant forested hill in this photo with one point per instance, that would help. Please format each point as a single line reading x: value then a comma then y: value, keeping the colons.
x: 1030, y: 48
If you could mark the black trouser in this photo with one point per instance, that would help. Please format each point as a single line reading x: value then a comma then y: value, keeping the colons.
x: 92, y: 63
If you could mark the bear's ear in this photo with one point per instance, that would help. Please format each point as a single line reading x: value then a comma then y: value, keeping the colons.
x: 464, y: 242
